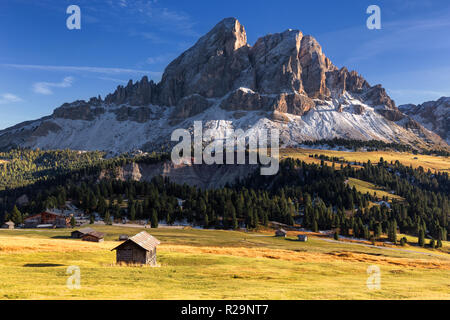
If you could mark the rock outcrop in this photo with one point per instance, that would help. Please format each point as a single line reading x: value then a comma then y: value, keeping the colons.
x: 78, y: 110
x: 433, y: 115
x: 248, y: 100
x: 188, y: 107
x: 141, y: 93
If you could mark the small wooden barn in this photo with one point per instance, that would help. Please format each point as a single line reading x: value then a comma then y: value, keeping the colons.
x: 93, y: 236
x: 281, y: 233
x: 123, y: 237
x: 8, y: 225
x: 302, y: 238
x: 77, y: 234
x: 139, y: 249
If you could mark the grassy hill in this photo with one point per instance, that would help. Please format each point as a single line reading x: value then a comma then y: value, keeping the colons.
x: 212, y: 264
x: 434, y: 163
x: 367, y: 187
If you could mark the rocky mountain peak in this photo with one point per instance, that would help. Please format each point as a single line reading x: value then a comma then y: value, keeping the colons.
x: 284, y: 80
x: 231, y: 32
x: 221, y: 62
x: 211, y: 68
x: 433, y: 115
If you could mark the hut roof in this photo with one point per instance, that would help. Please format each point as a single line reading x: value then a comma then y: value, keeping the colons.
x: 85, y: 230
x: 281, y: 231
x: 144, y: 240
x: 97, y: 234
x: 124, y: 237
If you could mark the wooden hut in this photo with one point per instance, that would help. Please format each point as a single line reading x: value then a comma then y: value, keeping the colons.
x: 281, y: 233
x: 93, y: 236
x: 302, y: 238
x: 8, y: 225
x: 77, y: 234
x: 123, y: 237
x: 139, y: 249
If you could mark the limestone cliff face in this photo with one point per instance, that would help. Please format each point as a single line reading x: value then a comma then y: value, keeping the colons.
x: 141, y: 93
x: 215, y: 65
x: 433, y: 115
x: 78, y: 110
x: 282, y: 72
x: 283, y: 81
x: 201, y: 176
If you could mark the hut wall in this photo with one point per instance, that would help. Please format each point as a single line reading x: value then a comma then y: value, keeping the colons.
x: 151, y: 257
x: 88, y: 237
x: 130, y: 253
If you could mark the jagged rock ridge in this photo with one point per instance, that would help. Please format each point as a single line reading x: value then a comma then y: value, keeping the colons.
x: 433, y: 115
x: 283, y: 81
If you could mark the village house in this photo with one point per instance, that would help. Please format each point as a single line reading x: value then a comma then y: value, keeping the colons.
x: 93, y: 236
x: 281, y: 233
x: 8, y: 225
x: 48, y: 218
x: 139, y: 249
x: 77, y: 234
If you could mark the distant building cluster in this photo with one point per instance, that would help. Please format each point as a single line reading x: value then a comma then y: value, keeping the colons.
x: 57, y: 218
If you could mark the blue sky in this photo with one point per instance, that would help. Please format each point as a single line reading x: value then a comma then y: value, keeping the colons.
x: 43, y: 64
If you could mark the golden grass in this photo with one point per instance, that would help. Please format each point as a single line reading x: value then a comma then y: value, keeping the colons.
x: 289, y: 255
x: 21, y: 244
x: 364, y: 187
x: 213, y: 264
x: 434, y: 163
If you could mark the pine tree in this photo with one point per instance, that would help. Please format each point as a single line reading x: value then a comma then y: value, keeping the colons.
x: 403, y: 241
x: 315, y: 227
x: 432, y: 244
x: 392, y: 232
x: 234, y: 222
x: 336, y: 235
x: 72, y: 222
x: 154, y: 219
x: 16, y: 216
x: 421, y: 240
x: 107, y: 218
x: 133, y: 212
x: 206, y: 221
x: 378, y: 231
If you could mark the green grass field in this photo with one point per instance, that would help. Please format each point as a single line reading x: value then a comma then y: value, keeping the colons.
x: 210, y: 264
x: 367, y: 187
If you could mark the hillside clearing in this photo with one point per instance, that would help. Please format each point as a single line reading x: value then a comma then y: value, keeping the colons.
x: 434, y: 163
x: 367, y: 187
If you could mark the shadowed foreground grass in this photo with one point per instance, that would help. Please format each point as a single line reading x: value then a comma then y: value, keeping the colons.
x: 201, y: 264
